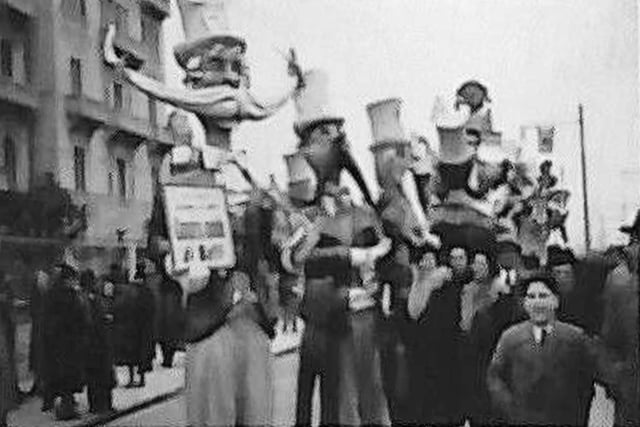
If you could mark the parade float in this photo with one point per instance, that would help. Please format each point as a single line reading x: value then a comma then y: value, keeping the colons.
x: 207, y: 235
x: 481, y: 191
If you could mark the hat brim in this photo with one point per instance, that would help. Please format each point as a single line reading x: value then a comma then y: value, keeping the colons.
x: 629, y: 229
x: 302, y: 126
x: 543, y: 277
x: 183, y: 52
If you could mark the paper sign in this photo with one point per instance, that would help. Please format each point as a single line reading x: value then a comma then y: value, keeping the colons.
x: 199, y: 228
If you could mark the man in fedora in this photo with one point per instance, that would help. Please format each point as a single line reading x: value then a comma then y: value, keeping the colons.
x: 337, y: 254
x: 543, y: 370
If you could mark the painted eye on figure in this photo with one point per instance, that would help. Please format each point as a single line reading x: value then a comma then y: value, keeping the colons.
x: 236, y: 67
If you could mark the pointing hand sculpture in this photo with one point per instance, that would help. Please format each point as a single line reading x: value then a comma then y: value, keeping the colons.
x: 217, y: 78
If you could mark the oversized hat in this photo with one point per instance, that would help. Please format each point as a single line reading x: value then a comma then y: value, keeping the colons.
x: 312, y: 101
x: 386, y: 127
x: 205, y: 24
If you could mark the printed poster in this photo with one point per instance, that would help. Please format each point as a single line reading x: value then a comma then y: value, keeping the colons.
x: 199, y: 228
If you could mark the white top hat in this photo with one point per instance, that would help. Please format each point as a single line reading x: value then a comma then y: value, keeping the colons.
x: 386, y: 126
x: 312, y: 101
x: 205, y: 24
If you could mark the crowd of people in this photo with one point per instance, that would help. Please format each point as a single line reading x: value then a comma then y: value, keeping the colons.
x: 82, y: 328
x: 489, y: 336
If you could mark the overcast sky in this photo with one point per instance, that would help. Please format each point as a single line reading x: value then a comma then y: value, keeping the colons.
x: 539, y: 59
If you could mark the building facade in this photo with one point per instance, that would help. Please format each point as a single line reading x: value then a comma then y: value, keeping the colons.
x: 66, y: 117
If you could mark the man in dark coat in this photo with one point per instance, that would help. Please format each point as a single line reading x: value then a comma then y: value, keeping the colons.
x: 99, y: 365
x: 65, y: 337
x: 578, y: 289
x: 619, y: 333
x: 542, y: 371
x: 134, y: 321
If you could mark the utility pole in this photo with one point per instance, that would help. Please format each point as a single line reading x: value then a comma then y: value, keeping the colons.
x: 585, y: 200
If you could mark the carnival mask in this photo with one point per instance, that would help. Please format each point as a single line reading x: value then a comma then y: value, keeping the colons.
x: 217, y: 85
x: 321, y: 147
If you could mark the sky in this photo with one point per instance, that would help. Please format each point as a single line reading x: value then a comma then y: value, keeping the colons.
x: 538, y: 58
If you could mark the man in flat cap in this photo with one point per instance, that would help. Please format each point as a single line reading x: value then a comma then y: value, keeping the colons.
x: 542, y: 371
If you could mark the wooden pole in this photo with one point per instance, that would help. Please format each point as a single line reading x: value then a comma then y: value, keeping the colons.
x: 585, y: 200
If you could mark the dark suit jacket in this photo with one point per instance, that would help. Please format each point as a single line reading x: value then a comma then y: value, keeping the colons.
x: 328, y: 270
x: 550, y: 384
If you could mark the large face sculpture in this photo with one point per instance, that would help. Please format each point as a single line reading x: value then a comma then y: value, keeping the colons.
x: 321, y: 146
x: 220, y: 65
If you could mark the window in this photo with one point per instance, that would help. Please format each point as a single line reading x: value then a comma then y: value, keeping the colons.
x: 74, y: 9
x: 10, y: 163
x: 150, y: 29
x: 122, y: 178
x: 153, y: 111
x: 117, y: 96
x: 6, y: 58
x: 79, y: 168
x: 75, y: 68
x: 122, y: 19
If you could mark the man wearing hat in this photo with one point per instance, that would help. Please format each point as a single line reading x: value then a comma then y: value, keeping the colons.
x: 543, y: 370
x: 619, y: 331
x: 337, y: 252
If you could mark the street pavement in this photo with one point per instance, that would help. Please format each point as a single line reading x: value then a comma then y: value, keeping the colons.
x: 172, y: 412
x: 161, y: 383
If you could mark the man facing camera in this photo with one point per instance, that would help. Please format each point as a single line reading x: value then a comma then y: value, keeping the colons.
x: 543, y: 370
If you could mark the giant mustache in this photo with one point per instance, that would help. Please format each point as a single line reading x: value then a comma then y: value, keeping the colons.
x: 221, y: 102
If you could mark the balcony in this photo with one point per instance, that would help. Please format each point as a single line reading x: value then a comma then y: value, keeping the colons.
x: 24, y: 96
x: 101, y: 114
x: 25, y: 7
x: 160, y: 7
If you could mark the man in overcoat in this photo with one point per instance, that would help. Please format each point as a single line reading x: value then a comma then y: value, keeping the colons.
x: 542, y: 371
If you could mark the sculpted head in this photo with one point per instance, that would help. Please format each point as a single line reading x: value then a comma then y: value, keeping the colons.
x: 219, y: 65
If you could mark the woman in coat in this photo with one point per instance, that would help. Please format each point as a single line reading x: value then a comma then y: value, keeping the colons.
x: 169, y: 318
x: 134, y: 313
x: 487, y: 305
x: 99, y: 367
x: 66, y: 331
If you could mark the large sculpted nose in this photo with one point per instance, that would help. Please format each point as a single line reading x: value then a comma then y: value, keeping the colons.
x: 231, y: 79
